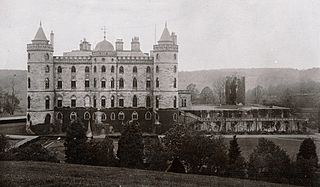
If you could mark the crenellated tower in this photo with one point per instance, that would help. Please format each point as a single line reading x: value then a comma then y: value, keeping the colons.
x: 40, y: 88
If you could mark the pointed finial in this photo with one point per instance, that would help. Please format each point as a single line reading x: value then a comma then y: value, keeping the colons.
x: 40, y: 24
x: 166, y: 24
x: 104, y: 32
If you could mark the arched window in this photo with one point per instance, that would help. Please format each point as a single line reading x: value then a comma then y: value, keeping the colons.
x: 103, y: 69
x: 47, y: 70
x: 135, y: 70
x: 157, y: 69
x: 59, y: 69
x: 157, y: 82
x: 148, y: 101
x: 134, y: 83
x: 174, y: 69
x: 86, y: 116
x: 73, y: 116
x: 148, y: 84
x: 121, y: 69
x: 73, y: 101
x: 59, y: 102
x: 134, y: 101
x: 29, y: 82
x: 94, y: 68
x: 112, y: 82
x: 103, y: 117
x: 112, y: 69
x: 112, y: 116
x: 47, y: 102
x: 134, y: 115
x: 157, y: 56
x: 28, y: 68
x: 121, y: 102
x: 47, y: 83
x: 148, y: 115
x: 29, y: 56
x: 121, y: 116
x: 73, y: 69
x: 59, y: 116
x: 94, y: 82
x: 86, y: 69
x: 157, y: 101
x: 103, y: 101
x: 112, y: 101
x: 103, y: 83
x: 175, y: 83
x: 47, y: 56
x: 175, y: 117
x: 175, y: 102
x: 121, y: 83
x: 175, y: 56
x: 148, y: 70
x: 87, y: 101
x: 94, y: 101
x: 29, y: 102
x: 59, y: 84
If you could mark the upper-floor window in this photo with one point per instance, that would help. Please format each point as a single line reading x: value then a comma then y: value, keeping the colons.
x: 59, y: 84
x: 148, y: 70
x: 135, y: 70
x: 175, y: 102
x: 112, y: 82
x: 47, y: 56
x: 134, y: 101
x: 148, y: 84
x: 87, y: 83
x: 59, y: 102
x: 47, y: 83
x: 29, y: 56
x: 134, y: 83
x: 157, y: 101
x: 112, y: 69
x: 175, y: 83
x: 121, y: 69
x: 148, y: 101
x: 29, y: 102
x: 73, y: 69
x: 29, y: 82
x: 103, y: 83
x: 157, y: 69
x: 94, y: 82
x: 59, y: 69
x: 94, y: 101
x: 73, y: 84
x: 86, y: 69
x: 103, y: 69
x: 121, y: 102
x: 47, y: 70
x: 157, y: 83
x: 157, y: 56
x: 28, y: 68
x: 103, y: 101
x: 175, y: 56
x: 73, y: 101
x: 112, y: 101
x: 175, y: 69
x: 94, y: 68
x: 121, y: 83
x: 47, y: 102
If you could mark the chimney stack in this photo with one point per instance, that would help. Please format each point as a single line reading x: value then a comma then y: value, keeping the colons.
x: 135, y: 44
x: 52, y: 38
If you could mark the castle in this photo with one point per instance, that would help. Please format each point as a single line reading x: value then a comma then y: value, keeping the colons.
x: 118, y: 84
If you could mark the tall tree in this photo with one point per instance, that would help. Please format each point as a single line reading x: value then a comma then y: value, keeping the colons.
x: 194, y: 92
x: 206, y: 96
x: 75, y: 143
x: 236, y: 163
x: 130, y: 146
x: 219, y: 90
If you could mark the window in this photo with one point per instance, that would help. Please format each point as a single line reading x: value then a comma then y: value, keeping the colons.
x: 157, y: 101
x: 59, y: 102
x: 29, y: 83
x: 29, y: 56
x: 103, y: 83
x: 121, y: 102
x: 148, y: 84
x: 175, y: 56
x: 157, y: 56
x: 157, y: 82
x: 157, y: 69
x: 103, y: 59
x: 103, y: 117
x: 134, y: 101
x: 95, y: 69
x: 59, y: 85
x: 86, y: 83
x: 135, y: 70
x: 95, y: 59
x: 112, y: 83
x: 59, y: 69
x: 46, y: 56
x: 103, y: 101
x: 94, y: 101
x: 148, y: 70
x: 174, y: 69
x: 103, y: 69
x: 121, y: 83
x: 73, y: 116
x: 134, y: 115
x: 184, y: 102
x: 28, y: 68
x: 134, y: 83
x: 148, y: 102
x: 73, y: 84
x: 147, y: 116
x: 86, y: 69
x: 47, y: 70
x: 47, y: 83
x: 112, y: 116
x: 94, y: 82
x: 47, y: 102
x: 121, y: 69
x: 175, y: 102
x: 87, y: 101
x: 175, y: 83
x: 112, y: 101
x: 175, y: 117
x: 121, y: 116
x: 86, y: 116
x: 73, y: 101
x: 112, y: 69
x: 73, y: 69
x: 29, y: 102
x: 59, y: 116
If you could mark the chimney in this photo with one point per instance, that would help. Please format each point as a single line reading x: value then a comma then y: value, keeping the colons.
x: 174, y: 38
x: 119, y: 45
x: 135, y: 44
x: 52, y: 38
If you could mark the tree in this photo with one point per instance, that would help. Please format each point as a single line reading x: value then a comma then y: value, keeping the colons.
x: 206, y: 96
x: 307, y: 162
x: 3, y: 145
x: 269, y: 162
x: 194, y: 92
x: 156, y: 155
x: 130, y: 146
x: 219, y: 90
x: 75, y: 143
x: 236, y: 163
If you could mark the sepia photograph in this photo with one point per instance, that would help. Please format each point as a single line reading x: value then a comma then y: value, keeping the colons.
x: 159, y: 93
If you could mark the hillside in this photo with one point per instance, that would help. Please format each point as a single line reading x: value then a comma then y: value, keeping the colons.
x: 52, y: 174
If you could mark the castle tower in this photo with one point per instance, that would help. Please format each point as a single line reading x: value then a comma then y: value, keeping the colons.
x: 40, y: 92
x: 166, y: 75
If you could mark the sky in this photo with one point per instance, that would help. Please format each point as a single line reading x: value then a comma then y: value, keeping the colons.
x: 212, y: 34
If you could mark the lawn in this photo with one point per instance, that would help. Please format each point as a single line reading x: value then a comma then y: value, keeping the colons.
x: 52, y: 174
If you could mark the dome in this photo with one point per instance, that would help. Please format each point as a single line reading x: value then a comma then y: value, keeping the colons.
x: 104, y: 46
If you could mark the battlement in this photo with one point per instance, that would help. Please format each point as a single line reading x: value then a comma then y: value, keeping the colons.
x: 165, y: 47
x: 72, y: 58
x: 39, y: 47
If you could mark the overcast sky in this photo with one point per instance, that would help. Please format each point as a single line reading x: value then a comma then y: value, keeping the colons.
x: 211, y: 34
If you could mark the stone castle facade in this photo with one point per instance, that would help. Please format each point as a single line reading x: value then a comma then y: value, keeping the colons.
x: 119, y: 84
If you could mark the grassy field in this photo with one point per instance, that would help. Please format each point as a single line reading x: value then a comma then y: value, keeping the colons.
x: 52, y: 174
